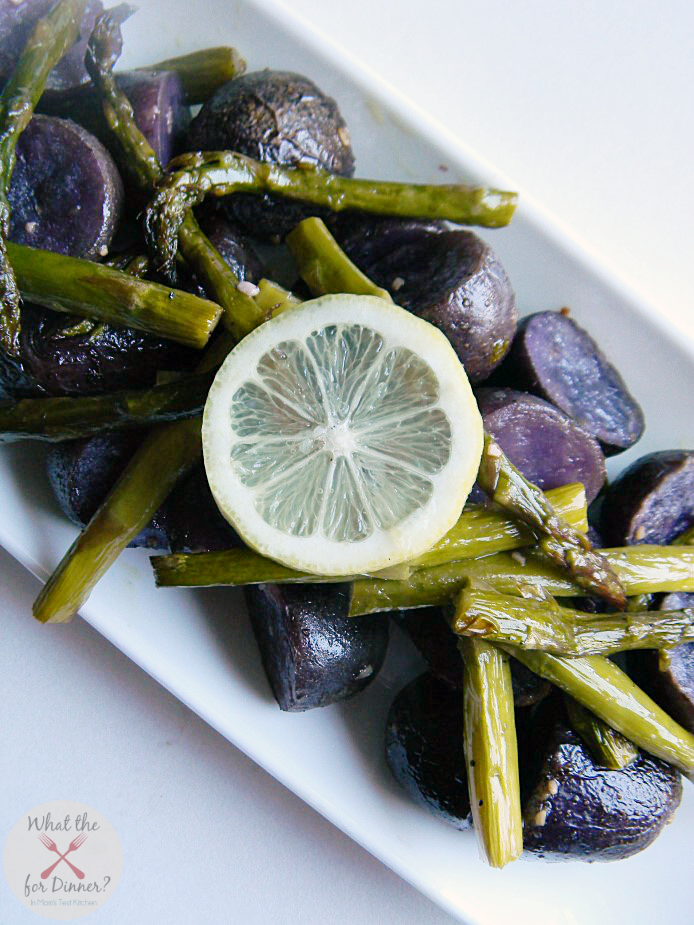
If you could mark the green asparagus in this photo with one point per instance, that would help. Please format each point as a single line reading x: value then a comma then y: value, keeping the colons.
x: 640, y: 569
x: 221, y: 173
x: 241, y: 314
x: 167, y: 454
x: 479, y: 531
x: 605, y: 690
x: 324, y: 266
x: 50, y: 39
x: 544, y: 625
x: 608, y: 748
x: 203, y: 72
x: 482, y: 530
x: 491, y: 751
x: 56, y: 419
x: 273, y: 298
x: 82, y: 287
x: 568, y: 548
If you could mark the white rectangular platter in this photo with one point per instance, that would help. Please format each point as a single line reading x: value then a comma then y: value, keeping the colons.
x: 198, y: 645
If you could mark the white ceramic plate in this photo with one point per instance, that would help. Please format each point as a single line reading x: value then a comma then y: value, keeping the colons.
x: 198, y: 644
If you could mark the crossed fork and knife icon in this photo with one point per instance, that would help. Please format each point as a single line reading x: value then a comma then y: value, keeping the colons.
x: 73, y: 846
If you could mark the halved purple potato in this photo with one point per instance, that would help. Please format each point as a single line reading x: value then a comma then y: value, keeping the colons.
x: 82, y: 472
x: 668, y: 676
x: 75, y: 356
x: 66, y: 193
x: 17, y: 20
x: 652, y: 501
x: 157, y: 99
x: 282, y: 118
x: 554, y: 357
x: 540, y: 440
x: 575, y: 810
x: 312, y: 652
x: 452, y: 279
x: 424, y: 748
x: 428, y: 629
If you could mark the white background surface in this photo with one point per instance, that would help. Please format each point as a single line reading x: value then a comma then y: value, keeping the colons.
x: 587, y: 108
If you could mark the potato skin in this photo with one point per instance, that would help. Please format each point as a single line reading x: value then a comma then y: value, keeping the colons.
x: 652, y: 501
x: 450, y: 278
x: 424, y: 748
x: 313, y: 654
x: 575, y: 810
x: 82, y: 472
x: 279, y: 117
x: 70, y: 356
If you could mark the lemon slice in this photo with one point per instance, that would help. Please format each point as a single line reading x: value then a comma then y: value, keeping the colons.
x: 342, y: 437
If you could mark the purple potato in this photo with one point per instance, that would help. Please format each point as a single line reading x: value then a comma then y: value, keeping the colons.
x: 161, y: 115
x: 424, y: 748
x: 66, y: 194
x: 157, y: 101
x: 668, y: 676
x: 452, y: 279
x: 231, y: 242
x: 373, y: 236
x: 540, y: 440
x: 430, y: 632
x: 82, y: 472
x: 312, y: 652
x: 193, y: 520
x: 74, y: 356
x: 575, y: 810
x: 17, y: 20
x: 553, y: 357
x: 652, y: 501
x: 281, y: 118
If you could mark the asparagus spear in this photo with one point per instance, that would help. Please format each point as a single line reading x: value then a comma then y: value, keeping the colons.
x: 82, y: 287
x: 203, y: 72
x: 568, y: 548
x: 482, y: 530
x: 273, y: 298
x: 479, y: 531
x: 324, y: 266
x: 131, y: 504
x: 609, y: 749
x: 221, y: 173
x: 50, y: 39
x: 491, y: 751
x: 640, y: 568
x: 241, y: 313
x: 544, y: 625
x: 56, y: 419
x: 167, y: 454
x: 605, y: 690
